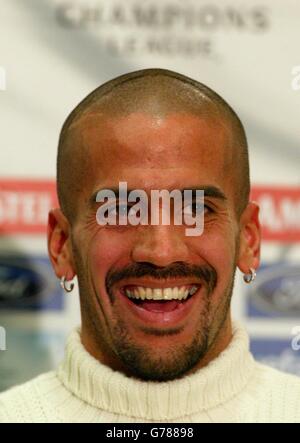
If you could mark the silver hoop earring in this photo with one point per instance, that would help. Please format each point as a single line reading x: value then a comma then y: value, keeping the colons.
x: 248, y: 278
x: 63, y: 284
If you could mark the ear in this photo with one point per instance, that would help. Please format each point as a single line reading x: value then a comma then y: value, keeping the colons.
x: 250, y: 239
x: 59, y: 244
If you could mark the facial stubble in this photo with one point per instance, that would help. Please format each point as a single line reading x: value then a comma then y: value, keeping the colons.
x: 141, y: 360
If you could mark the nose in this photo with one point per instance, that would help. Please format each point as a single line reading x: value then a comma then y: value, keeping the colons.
x: 160, y: 245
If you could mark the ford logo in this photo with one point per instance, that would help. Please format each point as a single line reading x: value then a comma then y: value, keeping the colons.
x: 23, y: 282
x: 277, y: 290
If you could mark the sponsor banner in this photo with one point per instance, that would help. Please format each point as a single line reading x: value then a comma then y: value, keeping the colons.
x: 24, y: 205
x: 28, y: 283
x: 275, y: 292
x: 277, y: 353
x: 279, y: 212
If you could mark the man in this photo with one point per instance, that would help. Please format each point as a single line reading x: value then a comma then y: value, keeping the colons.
x: 157, y: 342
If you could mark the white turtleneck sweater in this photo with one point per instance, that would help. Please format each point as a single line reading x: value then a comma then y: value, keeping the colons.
x: 231, y: 388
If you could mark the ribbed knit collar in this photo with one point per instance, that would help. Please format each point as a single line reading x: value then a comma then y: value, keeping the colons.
x: 104, y: 388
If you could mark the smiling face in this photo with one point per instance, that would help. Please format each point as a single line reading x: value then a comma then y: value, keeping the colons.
x: 154, y: 301
x: 156, y: 340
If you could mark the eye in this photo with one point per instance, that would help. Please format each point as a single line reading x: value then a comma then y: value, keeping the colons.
x: 119, y: 210
x: 122, y: 210
x: 196, y: 208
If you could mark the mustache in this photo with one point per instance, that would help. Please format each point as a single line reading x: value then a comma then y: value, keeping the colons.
x: 205, y: 273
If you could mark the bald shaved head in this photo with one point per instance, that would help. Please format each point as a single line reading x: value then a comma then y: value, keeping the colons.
x: 159, y: 93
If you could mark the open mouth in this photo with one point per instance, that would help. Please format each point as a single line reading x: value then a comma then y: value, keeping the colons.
x: 159, y: 299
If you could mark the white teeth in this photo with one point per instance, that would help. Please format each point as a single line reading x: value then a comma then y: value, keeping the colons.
x: 169, y: 294
x: 155, y: 294
x: 193, y: 290
x: 177, y: 293
x: 148, y: 293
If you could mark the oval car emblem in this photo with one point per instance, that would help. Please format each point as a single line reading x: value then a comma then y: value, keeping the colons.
x: 23, y: 282
x: 277, y: 290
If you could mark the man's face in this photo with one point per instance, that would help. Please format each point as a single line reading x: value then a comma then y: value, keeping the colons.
x: 155, y: 340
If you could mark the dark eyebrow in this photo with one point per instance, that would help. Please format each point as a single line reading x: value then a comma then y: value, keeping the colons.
x: 209, y: 191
